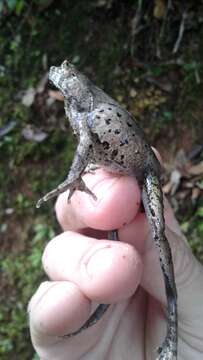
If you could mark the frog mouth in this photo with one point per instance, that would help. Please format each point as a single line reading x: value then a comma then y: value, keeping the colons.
x: 54, y: 75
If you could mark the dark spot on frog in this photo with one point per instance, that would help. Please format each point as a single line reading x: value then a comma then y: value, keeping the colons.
x: 109, y: 130
x: 101, y: 111
x: 108, y: 121
x: 123, y: 142
x: 110, y: 108
x: 114, y: 154
x: 121, y: 163
x: 90, y: 146
x: 118, y: 114
x: 130, y: 125
x: 98, y: 117
x: 96, y: 138
x: 152, y: 211
x: 105, y: 145
x: 117, y: 132
x: 122, y: 156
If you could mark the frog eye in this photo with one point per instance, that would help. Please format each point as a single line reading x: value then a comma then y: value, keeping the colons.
x: 65, y: 64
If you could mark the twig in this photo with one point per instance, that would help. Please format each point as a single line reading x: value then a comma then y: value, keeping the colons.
x: 136, y: 28
x: 161, y: 34
x: 169, y: 5
x: 180, y: 34
x: 197, y: 76
x: 7, y: 128
x: 163, y: 86
x: 19, y: 27
x: 136, y: 19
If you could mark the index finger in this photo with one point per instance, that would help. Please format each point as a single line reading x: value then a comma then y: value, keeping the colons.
x: 118, y: 201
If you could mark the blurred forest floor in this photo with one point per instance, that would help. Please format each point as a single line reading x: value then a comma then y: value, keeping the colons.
x: 149, y: 56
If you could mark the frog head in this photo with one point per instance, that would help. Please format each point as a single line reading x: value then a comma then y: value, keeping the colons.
x: 72, y: 84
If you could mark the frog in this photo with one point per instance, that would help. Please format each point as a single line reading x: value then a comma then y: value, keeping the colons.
x: 110, y: 137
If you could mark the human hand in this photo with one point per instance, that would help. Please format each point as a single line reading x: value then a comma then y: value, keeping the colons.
x: 84, y: 267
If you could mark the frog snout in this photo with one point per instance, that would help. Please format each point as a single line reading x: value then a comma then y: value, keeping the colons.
x: 55, y: 75
x: 52, y: 69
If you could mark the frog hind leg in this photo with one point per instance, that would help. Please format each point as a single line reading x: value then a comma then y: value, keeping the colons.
x: 152, y: 198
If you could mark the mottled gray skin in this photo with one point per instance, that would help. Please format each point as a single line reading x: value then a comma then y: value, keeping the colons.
x: 109, y: 137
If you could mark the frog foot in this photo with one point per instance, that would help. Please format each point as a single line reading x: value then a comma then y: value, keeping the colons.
x: 90, y: 169
x: 81, y: 186
x: 77, y: 184
x: 168, y: 351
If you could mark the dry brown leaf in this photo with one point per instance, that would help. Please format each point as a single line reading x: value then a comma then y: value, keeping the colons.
x: 167, y: 187
x: 195, y: 193
x: 181, y: 195
x: 133, y: 93
x: 188, y: 184
x: 29, y: 97
x: 162, y: 84
x: 196, y: 169
x: 56, y: 95
x: 181, y: 162
x: 42, y: 83
x: 175, y: 179
x: 33, y: 134
x: 159, y: 9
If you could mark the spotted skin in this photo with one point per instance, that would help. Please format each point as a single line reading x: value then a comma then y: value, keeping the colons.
x: 108, y: 136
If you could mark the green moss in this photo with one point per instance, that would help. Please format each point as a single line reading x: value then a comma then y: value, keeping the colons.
x: 194, y: 232
x: 21, y: 274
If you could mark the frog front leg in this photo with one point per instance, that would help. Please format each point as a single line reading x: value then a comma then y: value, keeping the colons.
x: 74, y: 179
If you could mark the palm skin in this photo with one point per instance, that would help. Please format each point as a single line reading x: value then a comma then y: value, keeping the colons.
x: 85, y: 268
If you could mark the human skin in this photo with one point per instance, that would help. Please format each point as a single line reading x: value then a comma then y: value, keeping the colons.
x: 85, y: 268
